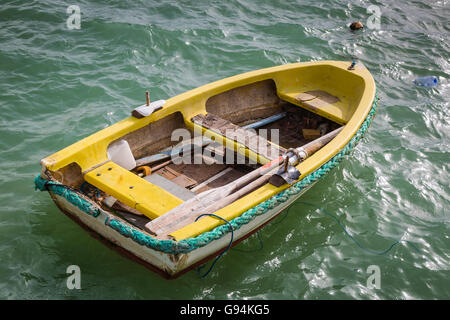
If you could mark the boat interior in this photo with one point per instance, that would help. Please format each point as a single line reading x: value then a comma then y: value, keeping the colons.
x: 238, y: 122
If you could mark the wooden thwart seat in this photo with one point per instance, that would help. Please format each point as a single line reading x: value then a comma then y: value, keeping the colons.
x: 248, y: 138
x: 321, y: 102
x: 146, y: 197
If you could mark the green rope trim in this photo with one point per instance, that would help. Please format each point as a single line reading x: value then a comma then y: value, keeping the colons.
x: 64, y: 191
x: 188, y: 245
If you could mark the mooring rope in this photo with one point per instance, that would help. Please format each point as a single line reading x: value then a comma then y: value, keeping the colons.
x: 223, y: 252
x: 349, y: 235
x: 369, y: 250
x: 261, y: 246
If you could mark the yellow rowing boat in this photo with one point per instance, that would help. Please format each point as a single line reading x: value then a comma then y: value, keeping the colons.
x: 121, y: 184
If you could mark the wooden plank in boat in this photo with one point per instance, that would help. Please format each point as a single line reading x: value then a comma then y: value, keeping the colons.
x: 174, y: 172
x: 184, y: 181
x: 195, y: 172
x: 248, y: 138
x: 222, y: 178
x: 177, y: 176
x: 166, y: 173
x: 337, y: 109
x: 317, y: 99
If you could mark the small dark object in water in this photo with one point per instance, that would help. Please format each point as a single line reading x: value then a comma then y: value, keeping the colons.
x: 356, y: 25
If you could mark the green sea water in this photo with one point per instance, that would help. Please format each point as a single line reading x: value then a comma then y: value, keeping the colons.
x: 59, y: 85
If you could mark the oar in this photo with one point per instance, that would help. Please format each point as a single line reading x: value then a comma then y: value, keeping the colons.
x: 187, y: 148
x: 206, y: 198
x: 166, y: 154
x: 188, y: 219
x: 203, y: 201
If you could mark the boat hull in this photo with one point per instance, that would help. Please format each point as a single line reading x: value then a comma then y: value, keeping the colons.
x: 168, y: 265
x: 192, y: 245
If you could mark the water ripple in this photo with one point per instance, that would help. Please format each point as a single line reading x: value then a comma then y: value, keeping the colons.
x: 59, y: 85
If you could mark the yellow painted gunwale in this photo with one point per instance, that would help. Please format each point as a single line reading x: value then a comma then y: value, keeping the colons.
x: 91, y: 151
